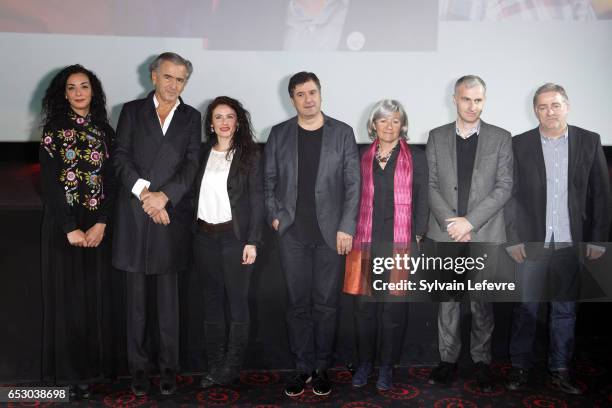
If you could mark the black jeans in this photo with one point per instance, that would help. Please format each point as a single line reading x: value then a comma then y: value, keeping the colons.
x: 312, y: 272
x: 384, y: 320
x: 218, y: 259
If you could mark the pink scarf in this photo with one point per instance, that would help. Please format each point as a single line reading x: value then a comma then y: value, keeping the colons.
x: 357, y: 273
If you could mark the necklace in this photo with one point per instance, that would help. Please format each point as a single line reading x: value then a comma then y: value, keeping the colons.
x: 384, y: 158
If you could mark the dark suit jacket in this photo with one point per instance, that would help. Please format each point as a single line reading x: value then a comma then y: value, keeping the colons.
x: 337, y: 187
x: 170, y: 163
x: 245, y: 191
x: 588, y: 189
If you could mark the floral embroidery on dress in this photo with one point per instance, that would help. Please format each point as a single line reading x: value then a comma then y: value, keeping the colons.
x: 82, y: 153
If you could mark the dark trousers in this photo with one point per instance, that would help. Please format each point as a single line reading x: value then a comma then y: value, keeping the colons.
x: 167, y: 315
x: 312, y: 272
x: 536, y: 276
x: 218, y: 260
x: 378, y: 319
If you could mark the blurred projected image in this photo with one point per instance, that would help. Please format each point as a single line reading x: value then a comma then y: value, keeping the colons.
x: 525, y: 10
x: 297, y: 25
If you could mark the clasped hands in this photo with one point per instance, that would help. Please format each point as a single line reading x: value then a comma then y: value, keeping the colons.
x: 154, y: 204
x: 459, y: 229
x: 89, y: 239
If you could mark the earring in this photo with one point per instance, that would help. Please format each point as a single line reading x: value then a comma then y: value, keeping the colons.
x: 212, y: 129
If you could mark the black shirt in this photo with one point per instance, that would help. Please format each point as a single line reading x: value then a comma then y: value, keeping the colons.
x: 383, y: 211
x: 306, y: 226
x: 466, y: 154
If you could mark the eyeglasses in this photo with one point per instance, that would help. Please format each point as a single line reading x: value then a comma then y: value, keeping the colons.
x: 555, y: 107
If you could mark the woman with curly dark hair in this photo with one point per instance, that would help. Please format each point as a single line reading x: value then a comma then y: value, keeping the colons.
x: 78, y: 190
x: 229, y: 219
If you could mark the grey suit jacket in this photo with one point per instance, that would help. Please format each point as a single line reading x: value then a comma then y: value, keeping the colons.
x: 338, y: 182
x: 491, y: 182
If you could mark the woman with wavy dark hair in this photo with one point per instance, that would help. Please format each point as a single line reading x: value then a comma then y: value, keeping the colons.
x: 229, y: 219
x: 78, y: 190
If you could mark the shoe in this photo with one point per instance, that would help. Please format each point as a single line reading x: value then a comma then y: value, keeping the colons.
x: 360, y: 377
x: 140, y: 383
x: 443, y: 373
x: 214, y: 337
x: 295, y: 385
x: 385, y: 378
x: 72, y: 392
x: 320, y: 383
x: 84, y: 391
x: 167, y: 382
x: 562, y: 380
x: 517, y: 379
x: 236, y: 346
x: 484, y: 376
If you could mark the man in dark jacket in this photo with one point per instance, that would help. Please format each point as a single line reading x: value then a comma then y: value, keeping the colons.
x: 156, y: 158
x: 560, y: 199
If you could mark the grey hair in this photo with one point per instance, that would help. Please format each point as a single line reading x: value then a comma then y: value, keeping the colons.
x: 172, y: 57
x: 470, y: 81
x: 385, y: 108
x: 550, y: 87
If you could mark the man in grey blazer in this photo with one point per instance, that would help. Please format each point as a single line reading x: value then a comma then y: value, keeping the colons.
x: 311, y: 186
x: 470, y: 180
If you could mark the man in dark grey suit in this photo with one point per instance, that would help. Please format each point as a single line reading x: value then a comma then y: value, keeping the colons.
x: 560, y: 199
x: 156, y: 158
x: 470, y: 180
x: 311, y: 185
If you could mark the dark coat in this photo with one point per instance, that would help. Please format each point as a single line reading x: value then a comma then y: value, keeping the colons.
x: 245, y: 191
x: 170, y: 163
x: 588, y: 189
x: 338, y: 183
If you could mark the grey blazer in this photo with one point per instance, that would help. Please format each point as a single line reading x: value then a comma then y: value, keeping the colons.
x: 338, y: 182
x: 491, y: 182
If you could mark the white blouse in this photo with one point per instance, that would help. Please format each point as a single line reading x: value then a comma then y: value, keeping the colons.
x: 213, y: 203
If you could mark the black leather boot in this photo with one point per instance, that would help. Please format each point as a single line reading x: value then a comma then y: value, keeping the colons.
x: 236, y: 347
x: 214, y: 337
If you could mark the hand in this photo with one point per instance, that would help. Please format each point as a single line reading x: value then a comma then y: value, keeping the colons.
x: 275, y: 224
x: 144, y: 193
x: 161, y: 217
x: 458, y: 227
x: 344, y: 243
x: 154, y: 202
x: 466, y: 238
x: 593, y: 253
x: 517, y: 252
x: 94, y: 235
x: 249, y: 253
x: 77, y: 238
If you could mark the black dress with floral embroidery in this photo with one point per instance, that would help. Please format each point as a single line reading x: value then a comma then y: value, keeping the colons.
x: 78, y: 189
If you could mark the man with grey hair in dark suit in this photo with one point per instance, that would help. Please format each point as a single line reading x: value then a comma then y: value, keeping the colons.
x: 470, y: 180
x: 560, y: 199
x: 311, y: 186
x: 156, y: 159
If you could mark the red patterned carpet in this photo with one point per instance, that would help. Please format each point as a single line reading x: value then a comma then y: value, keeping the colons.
x: 265, y: 389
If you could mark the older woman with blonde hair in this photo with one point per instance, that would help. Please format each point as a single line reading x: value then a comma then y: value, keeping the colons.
x: 392, y: 219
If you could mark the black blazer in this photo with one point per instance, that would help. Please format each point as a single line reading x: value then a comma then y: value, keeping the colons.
x: 169, y: 162
x: 588, y: 189
x: 337, y: 187
x: 245, y: 191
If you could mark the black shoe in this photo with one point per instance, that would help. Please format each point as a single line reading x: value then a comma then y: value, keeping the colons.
x: 207, y: 381
x: 140, y: 383
x: 320, y: 383
x: 72, y: 392
x: 167, y: 382
x: 84, y: 391
x: 484, y: 376
x: 295, y: 385
x: 562, y: 380
x: 517, y: 379
x: 443, y: 373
